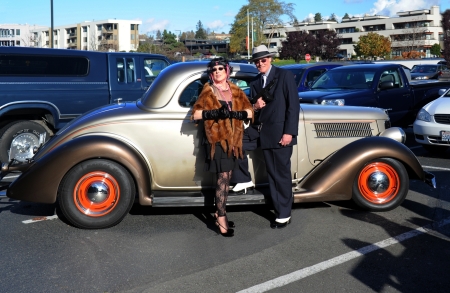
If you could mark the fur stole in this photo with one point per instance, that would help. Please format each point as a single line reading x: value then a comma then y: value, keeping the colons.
x: 228, y: 133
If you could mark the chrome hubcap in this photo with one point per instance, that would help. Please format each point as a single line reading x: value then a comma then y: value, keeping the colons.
x: 378, y: 182
x: 22, y: 146
x: 98, y: 192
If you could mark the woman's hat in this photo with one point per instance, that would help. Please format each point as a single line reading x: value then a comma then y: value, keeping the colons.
x: 260, y: 52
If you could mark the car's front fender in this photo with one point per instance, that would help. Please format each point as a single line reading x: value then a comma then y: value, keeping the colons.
x: 40, y: 182
x: 333, y: 178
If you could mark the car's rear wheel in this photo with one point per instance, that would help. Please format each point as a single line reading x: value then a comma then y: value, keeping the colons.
x: 96, y: 194
x: 381, y: 185
x: 435, y: 149
x: 18, y: 139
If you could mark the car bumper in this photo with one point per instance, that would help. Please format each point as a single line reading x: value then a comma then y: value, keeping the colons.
x: 430, y: 132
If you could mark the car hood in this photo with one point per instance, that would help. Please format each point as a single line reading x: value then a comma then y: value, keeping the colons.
x: 322, y: 112
x: 316, y: 96
x: 438, y: 106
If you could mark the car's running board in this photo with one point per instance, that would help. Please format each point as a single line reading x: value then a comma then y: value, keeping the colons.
x: 252, y: 197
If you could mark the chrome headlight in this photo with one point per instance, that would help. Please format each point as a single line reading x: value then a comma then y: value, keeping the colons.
x: 395, y: 133
x: 334, y: 102
x: 421, y: 77
x: 423, y: 115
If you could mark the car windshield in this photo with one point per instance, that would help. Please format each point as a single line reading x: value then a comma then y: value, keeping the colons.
x: 424, y: 69
x: 356, y: 78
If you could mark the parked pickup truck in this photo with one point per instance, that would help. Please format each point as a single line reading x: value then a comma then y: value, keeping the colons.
x: 43, y: 89
x: 375, y: 85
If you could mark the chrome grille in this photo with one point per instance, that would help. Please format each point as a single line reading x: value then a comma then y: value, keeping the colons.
x: 442, y: 118
x: 361, y: 129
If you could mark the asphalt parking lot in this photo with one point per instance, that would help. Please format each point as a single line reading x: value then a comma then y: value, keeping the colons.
x: 329, y: 247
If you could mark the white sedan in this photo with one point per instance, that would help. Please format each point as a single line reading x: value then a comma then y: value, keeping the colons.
x: 432, y: 125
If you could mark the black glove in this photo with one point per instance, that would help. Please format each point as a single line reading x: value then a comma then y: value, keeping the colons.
x: 240, y: 115
x: 216, y: 114
x: 224, y: 113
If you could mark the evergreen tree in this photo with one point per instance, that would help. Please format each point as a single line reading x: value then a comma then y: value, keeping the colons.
x: 200, y: 33
x: 318, y: 17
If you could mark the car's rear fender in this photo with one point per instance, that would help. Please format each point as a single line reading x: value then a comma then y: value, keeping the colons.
x: 40, y: 182
x: 333, y: 178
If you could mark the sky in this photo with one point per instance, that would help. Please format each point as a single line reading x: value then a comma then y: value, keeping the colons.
x: 183, y: 15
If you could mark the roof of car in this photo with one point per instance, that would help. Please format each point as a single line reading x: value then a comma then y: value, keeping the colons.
x: 307, y: 65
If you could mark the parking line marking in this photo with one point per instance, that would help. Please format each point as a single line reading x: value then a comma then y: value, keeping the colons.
x: 303, y: 273
x: 437, y: 168
x: 39, y: 219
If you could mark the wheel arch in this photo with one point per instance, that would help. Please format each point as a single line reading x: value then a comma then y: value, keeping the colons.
x: 40, y: 182
x: 24, y: 110
x: 326, y: 182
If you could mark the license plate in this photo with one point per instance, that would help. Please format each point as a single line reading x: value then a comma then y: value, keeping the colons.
x: 445, y: 135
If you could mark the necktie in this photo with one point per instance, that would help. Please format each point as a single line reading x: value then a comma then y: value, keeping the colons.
x: 264, y: 80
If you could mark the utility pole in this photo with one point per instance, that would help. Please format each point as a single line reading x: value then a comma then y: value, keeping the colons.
x: 248, y: 33
x: 51, y: 27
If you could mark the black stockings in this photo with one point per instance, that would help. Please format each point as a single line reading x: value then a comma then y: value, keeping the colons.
x: 223, y: 185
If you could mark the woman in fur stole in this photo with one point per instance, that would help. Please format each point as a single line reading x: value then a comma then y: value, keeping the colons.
x: 223, y: 107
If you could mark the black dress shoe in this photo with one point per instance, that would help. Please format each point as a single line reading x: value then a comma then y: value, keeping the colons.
x: 278, y: 225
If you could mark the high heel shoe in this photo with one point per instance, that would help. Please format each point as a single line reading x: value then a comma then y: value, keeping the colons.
x: 229, y: 232
x: 230, y: 223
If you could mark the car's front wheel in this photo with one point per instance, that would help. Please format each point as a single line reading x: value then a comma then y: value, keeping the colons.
x: 96, y: 194
x: 435, y: 149
x: 381, y: 185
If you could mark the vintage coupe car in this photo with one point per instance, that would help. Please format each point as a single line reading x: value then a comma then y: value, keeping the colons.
x: 97, y: 165
x: 432, y: 125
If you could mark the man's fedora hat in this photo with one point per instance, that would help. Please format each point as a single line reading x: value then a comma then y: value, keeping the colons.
x: 261, y: 52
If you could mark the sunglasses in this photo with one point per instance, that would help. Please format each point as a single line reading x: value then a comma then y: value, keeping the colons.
x: 262, y: 60
x: 218, y: 68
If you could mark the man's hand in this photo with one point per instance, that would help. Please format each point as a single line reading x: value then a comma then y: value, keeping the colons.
x: 259, y: 104
x: 285, y: 140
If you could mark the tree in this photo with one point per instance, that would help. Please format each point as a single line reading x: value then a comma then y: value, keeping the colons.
x: 436, y: 50
x: 373, y: 45
x: 200, y: 33
x: 158, y: 35
x: 326, y: 44
x: 346, y: 16
x: 318, y: 17
x: 265, y: 13
x: 446, y: 29
x: 333, y: 17
x: 297, y: 44
x: 413, y: 36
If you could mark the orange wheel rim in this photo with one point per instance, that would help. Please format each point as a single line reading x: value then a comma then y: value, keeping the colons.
x: 96, y: 194
x: 379, y: 183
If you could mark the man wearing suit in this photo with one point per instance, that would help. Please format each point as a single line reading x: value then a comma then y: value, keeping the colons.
x: 278, y: 117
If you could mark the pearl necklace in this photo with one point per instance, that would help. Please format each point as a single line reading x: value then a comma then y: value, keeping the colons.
x: 223, y: 96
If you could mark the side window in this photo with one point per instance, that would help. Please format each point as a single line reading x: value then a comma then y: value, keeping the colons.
x: 125, y: 70
x: 313, y: 75
x: 152, y: 67
x: 394, y: 76
x: 190, y: 94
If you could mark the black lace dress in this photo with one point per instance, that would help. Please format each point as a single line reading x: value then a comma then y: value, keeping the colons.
x: 221, y: 162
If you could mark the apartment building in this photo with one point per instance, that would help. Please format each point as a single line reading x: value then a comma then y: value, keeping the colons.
x: 418, y: 30
x: 17, y: 35
x: 104, y: 35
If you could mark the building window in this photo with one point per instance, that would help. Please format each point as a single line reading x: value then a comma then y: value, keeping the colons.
x: 132, y: 36
x: 99, y: 27
x: 84, y: 29
x: 85, y: 39
x: 17, y: 43
x: 115, y: 26
x: 132, y: 27
x: 17, y: 32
